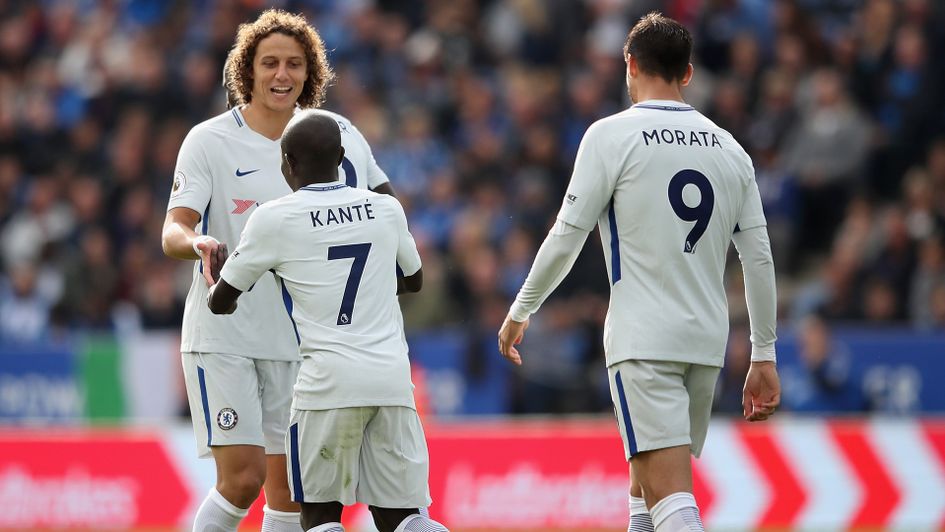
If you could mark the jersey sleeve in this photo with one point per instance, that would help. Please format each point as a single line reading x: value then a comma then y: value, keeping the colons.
x: 408, y: 258
x: 193, y: 183
x: 257, y: 251
x: 592, y: 182
x: 375, y: 176
x: 752, y: 214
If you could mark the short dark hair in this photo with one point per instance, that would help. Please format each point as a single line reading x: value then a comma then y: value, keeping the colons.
x: 239, y: 62
x: 660, y: 45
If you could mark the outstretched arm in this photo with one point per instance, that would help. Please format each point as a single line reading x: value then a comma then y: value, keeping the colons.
x: 553, y: 262
x: 762, y: 393
x: 180, y: 241
x: 222, y: 298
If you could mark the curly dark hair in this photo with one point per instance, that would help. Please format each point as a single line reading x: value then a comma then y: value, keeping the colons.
x: 238, y: 73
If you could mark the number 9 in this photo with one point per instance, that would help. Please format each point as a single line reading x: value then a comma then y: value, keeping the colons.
x: 700, y: 213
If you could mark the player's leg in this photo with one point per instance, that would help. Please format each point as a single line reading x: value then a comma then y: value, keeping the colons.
x: 395, y: 470
x: 241, y: 470
x: 323, y: 453
x: 389, y: 518
x: 653, y: 405
x: 640, y: 520
x: 322, y: 516
x: 676, y: 508
x: 663, y: 472
x: 276, y: 379
x: 280, y: 514
x: 224, y: 400
x: 416, y: 522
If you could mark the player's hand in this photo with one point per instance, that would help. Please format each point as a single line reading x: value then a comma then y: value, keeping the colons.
x: 210, y: 252
x: 217, y: 263
x: 510, y: 335
x: 762, y: 392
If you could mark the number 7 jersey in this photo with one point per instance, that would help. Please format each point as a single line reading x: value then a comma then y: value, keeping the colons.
x: 225, y: 170
x: 668, y: 188
x: 335, y: 251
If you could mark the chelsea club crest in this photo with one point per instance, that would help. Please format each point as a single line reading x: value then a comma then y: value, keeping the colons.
x: 227, y: 419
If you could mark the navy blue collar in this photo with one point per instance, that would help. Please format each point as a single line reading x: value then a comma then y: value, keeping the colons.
x: 324, y: 187
x: 661, y: 107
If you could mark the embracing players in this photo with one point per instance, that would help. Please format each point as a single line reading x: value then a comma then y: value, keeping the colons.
x: 355, y: 435
x: 239, y: 370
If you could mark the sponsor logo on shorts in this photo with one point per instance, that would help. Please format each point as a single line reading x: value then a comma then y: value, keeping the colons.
x: 227, y: 419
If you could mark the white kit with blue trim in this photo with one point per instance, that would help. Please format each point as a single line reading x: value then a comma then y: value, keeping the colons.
x: 667, y: 188
x: 225, y: 171
x: 335, y: 249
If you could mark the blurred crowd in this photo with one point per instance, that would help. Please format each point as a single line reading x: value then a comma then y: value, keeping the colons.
x: 475, y: 111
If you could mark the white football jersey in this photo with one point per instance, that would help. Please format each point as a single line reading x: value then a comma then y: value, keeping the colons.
x: 225, y: 170
x: 336, y: 251
x: 668, y: 188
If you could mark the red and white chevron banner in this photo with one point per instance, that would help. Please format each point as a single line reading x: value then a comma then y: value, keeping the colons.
x: 813, y: 474
x: 789, y: 474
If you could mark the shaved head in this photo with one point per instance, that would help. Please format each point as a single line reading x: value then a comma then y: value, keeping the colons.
x: 311, y: 149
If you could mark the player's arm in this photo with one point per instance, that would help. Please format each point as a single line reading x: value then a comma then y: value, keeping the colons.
x: 385, y: 188
x: 409, y: 266
x: 591, y: 187
x: 410, y: 284
x: 190, y: 194
x: 762, y: 393
x: 222, y: 298
x: 180, y: 241
x: 256, y: 253
x: 554, y: 260
x: 377, y: 180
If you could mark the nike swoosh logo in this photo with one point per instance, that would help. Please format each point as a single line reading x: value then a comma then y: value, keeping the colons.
x: 241, y: 174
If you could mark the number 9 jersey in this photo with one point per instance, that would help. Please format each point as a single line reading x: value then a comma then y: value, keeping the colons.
x: 668, y: 188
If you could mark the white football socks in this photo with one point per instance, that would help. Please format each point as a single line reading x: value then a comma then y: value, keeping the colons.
x: 677, y: 513
x: 640, y: 520
x: 419, y: 523
x: 328, y: 527
x: 216, y: 514
x: 276, y: 521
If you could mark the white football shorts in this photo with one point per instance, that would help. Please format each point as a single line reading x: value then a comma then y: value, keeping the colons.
x: 237, y: 400
x: 376, y: 455
x: 662, y: 404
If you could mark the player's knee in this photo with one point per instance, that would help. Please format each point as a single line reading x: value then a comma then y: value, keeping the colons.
x: 419, y: 523
x: 243, y: 485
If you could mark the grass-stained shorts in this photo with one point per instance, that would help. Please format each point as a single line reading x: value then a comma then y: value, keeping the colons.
x: 376, y: 455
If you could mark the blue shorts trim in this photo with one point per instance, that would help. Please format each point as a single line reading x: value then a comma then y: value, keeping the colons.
x: 298, y: 495
x: 625, y: 411
x: 206, y: 402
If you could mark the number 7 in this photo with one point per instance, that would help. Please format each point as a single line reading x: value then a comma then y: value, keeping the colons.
x: 358, y: 252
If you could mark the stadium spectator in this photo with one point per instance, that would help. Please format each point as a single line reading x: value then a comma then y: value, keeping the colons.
x: 824, y: 383
x: 824, y: 153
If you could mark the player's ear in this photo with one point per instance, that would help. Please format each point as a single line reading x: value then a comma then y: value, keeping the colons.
x: 688, y: 77
x: 288, y: 164
x: 632, y: 68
